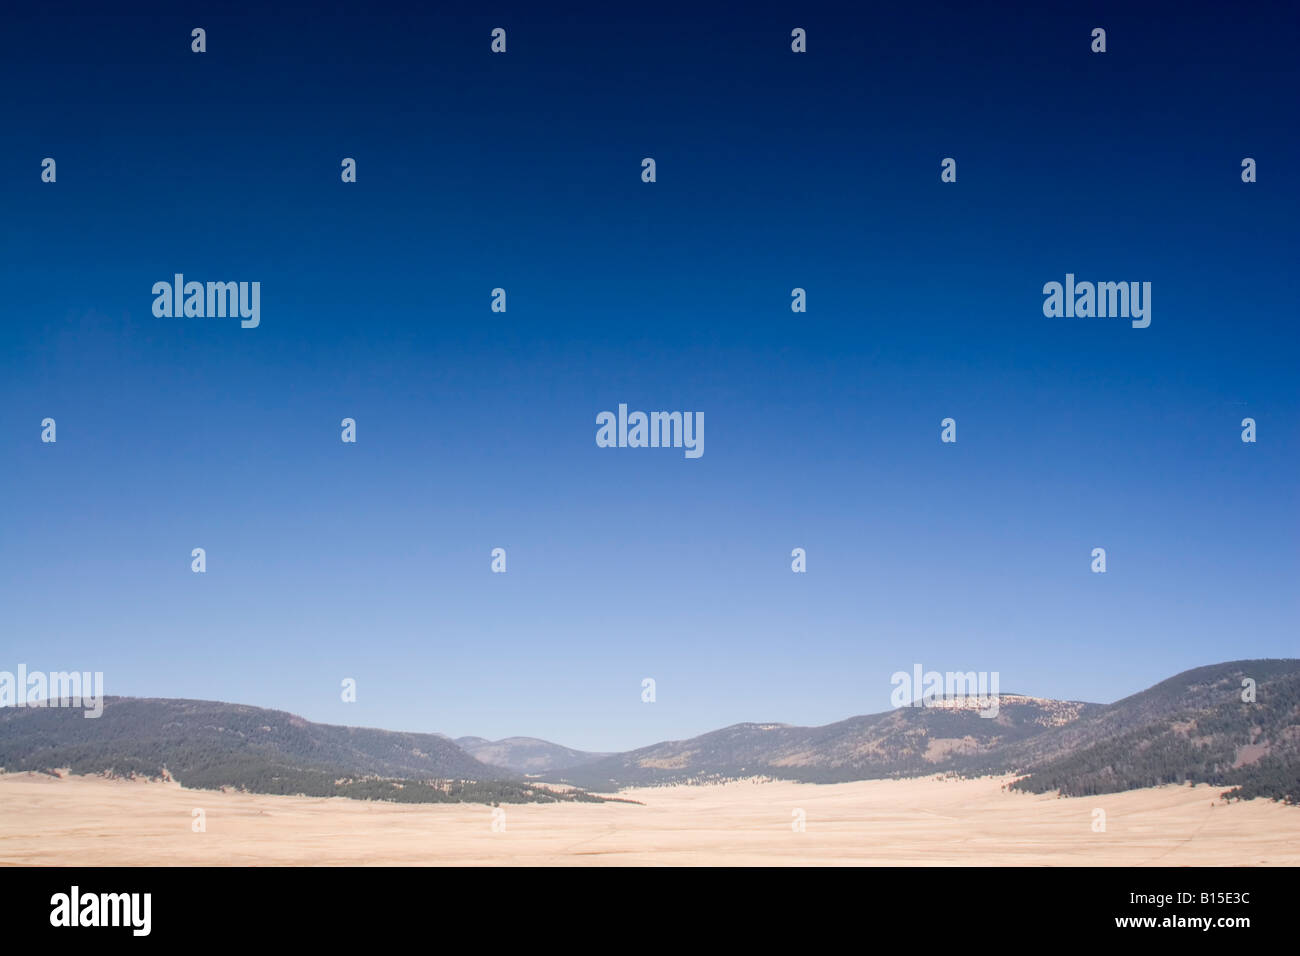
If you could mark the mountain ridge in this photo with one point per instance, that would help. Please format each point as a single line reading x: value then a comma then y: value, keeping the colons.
x: 1194, y: 727
x: 1050, y: 745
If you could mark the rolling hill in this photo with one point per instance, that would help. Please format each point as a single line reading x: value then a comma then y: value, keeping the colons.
x: 1194, y: 727
x: 1191, y: 728
x: 210, y: 745
x: 909, y: 741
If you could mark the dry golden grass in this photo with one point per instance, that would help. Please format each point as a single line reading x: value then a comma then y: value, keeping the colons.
x: 93, y: 821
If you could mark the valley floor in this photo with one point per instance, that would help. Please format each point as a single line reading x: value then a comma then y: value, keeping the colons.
x: 93, y: 821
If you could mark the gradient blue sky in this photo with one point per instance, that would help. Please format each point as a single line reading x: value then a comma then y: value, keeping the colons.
x: 476, y: 429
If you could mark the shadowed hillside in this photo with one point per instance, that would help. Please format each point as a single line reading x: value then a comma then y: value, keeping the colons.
x: 1192, y: 728
x: 205, y: 744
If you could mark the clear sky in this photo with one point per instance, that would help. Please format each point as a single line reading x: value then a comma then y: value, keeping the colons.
x: 476, y: 429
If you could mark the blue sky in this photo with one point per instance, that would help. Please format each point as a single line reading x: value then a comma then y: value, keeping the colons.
x: 476, y: 429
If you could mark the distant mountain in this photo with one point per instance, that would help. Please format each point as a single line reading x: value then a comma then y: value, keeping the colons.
x: 525, y: 755
x: 205, y: 744
x: 909, y: 741
x: 1190, y: 728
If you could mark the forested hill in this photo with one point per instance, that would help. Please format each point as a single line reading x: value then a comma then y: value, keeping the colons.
x: 1234, y: 725
x: 206, y: 744
x: 1192, y: 728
